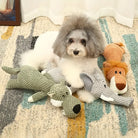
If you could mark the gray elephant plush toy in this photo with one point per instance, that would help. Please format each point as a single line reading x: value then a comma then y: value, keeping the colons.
x: 30, y: 78
x: 96, y: 84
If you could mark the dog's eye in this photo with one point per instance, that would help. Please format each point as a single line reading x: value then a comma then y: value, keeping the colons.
x: 83, y: 42
x: 115, y: 72
x: 71, y: 40
x: 119, y: 72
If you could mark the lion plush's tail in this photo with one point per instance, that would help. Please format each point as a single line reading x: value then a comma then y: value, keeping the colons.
x: 11, y: 70
x: 114, y: 51
x: 120, y: 44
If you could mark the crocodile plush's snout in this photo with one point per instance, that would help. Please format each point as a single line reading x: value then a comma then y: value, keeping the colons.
x: 71, y: 106
x: 77, y: 108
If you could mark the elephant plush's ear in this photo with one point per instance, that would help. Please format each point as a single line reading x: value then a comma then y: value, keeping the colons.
x: 50, y: 94
x: 88, y: 81
x: 98, y: 75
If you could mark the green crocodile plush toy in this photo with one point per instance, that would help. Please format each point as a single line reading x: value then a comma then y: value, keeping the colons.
x: 30, y: 78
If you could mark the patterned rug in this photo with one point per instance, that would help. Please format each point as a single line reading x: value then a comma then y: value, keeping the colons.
x: 20, y: 119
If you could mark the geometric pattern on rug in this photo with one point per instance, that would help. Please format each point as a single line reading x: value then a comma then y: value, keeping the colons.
x: 21, y: 119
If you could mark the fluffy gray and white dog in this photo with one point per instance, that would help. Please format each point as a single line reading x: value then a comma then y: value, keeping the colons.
x: 74, y: 49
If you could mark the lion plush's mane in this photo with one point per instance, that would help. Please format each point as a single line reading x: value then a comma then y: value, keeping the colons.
x: 113, y: 64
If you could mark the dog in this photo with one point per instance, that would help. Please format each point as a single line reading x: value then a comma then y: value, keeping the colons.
x: 74, y: 49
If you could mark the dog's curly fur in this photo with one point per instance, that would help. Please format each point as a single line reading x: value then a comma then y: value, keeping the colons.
x: 95, y: 45
x: 77, y: 46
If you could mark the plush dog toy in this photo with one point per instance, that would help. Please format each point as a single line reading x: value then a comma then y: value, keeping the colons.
x: 114, y: 69
x: 30, y: 78
x: 96, y: 84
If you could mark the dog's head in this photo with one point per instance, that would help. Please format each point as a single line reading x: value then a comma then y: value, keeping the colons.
x: 79, y: 37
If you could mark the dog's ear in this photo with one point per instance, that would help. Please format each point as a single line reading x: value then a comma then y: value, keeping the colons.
x: 96, y: 41
x: 59, y: 46
x: 88, y: 81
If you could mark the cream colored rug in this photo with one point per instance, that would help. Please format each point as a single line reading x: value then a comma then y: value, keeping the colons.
x: 20, y: 119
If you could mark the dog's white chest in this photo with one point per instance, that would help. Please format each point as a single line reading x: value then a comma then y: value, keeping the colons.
x: 71, y: 69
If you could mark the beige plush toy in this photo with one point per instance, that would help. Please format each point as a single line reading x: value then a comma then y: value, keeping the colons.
x: 114, y: 69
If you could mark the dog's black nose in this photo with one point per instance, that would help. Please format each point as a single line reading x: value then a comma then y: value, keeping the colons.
x: 77, y: 108
x: 76, y: 52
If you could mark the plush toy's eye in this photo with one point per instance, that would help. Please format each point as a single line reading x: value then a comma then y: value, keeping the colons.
x: 67, y: 93
x: 119, y: 72
x: 104, y: 85
x: 63, y: 96
x: 83, y: 42
x: 115, y: 72
x: 71, y: 40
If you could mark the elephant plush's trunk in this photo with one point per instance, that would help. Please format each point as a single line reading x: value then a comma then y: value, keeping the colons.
x: 125, y: 101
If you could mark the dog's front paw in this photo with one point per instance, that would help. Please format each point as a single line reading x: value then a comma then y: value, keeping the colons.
x: 73, y: 78
x: 77, y: 83
x: 85, y: 96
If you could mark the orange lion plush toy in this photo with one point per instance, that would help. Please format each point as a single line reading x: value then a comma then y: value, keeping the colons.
x: 114, y: 69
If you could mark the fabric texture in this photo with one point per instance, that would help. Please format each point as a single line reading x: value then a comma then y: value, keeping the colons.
x: 57, y: 9
x: 20, y: 119
x: 28, y: 78
x: 31, y: 79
